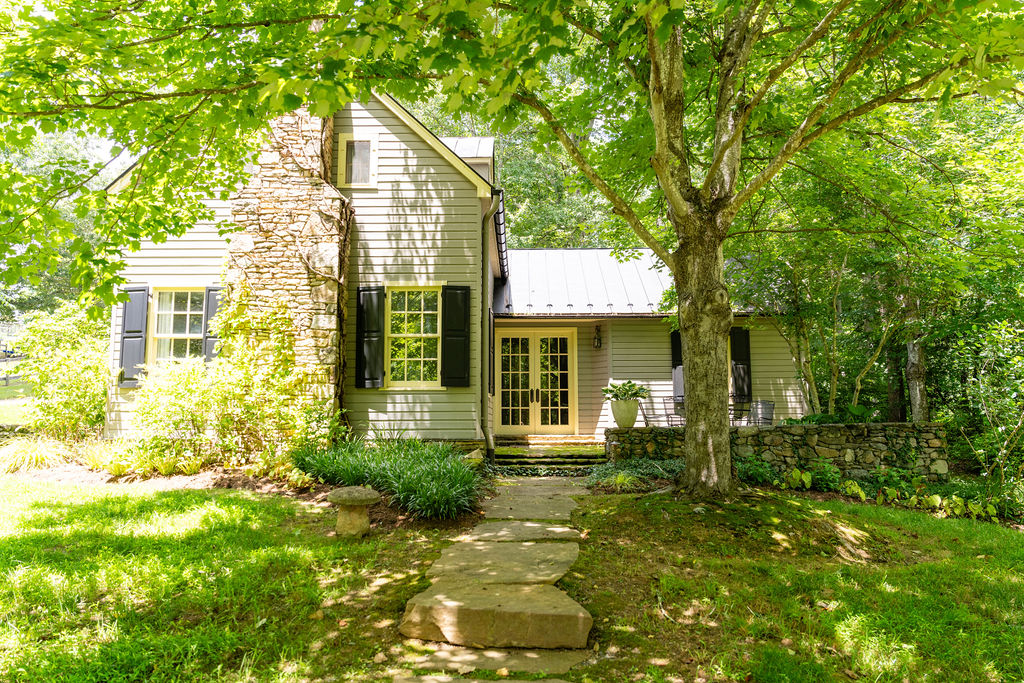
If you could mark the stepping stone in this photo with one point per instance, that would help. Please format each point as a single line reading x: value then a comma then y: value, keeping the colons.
x: 524, y: 661
x: 449, y: 679
x: 520, y: 531
x: 497, y: 615
x: 557, y: 508
x: 506, y: 562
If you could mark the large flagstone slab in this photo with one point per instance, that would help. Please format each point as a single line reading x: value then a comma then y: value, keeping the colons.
x: 508, y: 506
x: 461, y: 659
x: 514, y: 530
x: 486, y: 615
x: 402, y: 678
x: 493, y: 562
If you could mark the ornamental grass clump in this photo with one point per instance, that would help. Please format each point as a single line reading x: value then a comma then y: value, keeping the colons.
x: 428, y: 480
x: 31, y: 453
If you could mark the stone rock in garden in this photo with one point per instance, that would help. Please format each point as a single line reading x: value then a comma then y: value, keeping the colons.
x: 497, y: 615
x: 353, y: 509
x: 506, y: 562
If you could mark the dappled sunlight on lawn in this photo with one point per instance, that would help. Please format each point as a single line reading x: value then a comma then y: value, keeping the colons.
x: 772, y: 587
x: 96, y: 585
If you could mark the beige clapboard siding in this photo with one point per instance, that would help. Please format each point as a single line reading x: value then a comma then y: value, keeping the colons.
x: 773, y: 372
x: 421, y: 224
x: 641, y: 351
x: 194, y: 260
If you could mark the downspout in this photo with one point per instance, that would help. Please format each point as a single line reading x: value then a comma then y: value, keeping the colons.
x: 485, y: 303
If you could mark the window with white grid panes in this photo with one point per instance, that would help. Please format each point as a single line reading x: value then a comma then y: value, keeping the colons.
x: 414, y: 338
x: 178, y: 332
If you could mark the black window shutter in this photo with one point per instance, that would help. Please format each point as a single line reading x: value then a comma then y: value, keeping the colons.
x: 739, y: 341
x: 135, y: 315
x: 490, y: 352
x: 370, y: 326
x: 209, y: 311
x: 455, y: 336
x: 677, y: 348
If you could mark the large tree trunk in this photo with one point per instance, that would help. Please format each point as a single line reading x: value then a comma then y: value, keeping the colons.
x: 916, y: 375
x: 705, y: 317
x: 897, y: 405
x: 916, y: 369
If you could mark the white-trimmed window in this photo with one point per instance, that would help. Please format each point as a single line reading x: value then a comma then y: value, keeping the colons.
x: 414, y: 336
x: 357, y: 160
x: 178, y: 328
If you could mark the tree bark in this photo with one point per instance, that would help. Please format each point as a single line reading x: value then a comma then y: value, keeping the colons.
x: 705, y: 318
x: 916, y: 375
x: 896, y: 402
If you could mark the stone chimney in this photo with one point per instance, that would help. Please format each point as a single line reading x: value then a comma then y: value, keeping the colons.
x: 292, y: 246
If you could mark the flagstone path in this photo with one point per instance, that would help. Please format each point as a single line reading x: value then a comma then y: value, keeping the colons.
x: 494, y: 588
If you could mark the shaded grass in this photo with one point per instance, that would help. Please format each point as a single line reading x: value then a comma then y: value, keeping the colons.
x: 14, y: 389
x: 194, y: 585
x: 772, y: 587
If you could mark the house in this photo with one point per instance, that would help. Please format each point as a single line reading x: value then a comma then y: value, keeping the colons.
x: 389, y: 246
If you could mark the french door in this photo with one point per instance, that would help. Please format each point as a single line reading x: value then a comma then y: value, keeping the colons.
x: 536, y: 372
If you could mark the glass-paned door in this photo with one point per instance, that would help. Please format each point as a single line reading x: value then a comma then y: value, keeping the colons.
x: 536, y: 382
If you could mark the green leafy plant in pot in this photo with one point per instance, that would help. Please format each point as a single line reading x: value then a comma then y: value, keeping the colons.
x: 625, y: 399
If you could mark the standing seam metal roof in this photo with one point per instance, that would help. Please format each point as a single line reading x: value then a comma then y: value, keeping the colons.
x: 581, y: 282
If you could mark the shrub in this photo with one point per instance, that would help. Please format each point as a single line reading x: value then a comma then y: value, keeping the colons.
x: 893, y: 478
x: 755, y: 470
x: 66, y: 367
x: 995, y: 362
x: 429, y: 480
x: 638, y: 474
x: 31, y: 453
x: 97, y: 454
x: 825, y: 476
x: 243, y: 409
x: 172, y: 411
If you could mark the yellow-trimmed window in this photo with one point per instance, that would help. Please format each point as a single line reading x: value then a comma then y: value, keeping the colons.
x: 414, y: 336
x: 178, y: 328
x: 357, y: 160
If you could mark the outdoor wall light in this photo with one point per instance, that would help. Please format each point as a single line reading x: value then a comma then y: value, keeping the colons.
x: 597, y: 337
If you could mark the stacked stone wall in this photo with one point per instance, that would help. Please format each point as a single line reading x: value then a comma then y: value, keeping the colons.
x: 856, y: 449
x: 293, y: 243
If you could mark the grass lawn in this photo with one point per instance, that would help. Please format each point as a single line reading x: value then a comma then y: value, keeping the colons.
x: 102, y: 585
x: 13, y: 411
x: 773, y: 587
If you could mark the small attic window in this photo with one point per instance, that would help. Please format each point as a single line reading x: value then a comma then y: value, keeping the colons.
x: 357, y: 162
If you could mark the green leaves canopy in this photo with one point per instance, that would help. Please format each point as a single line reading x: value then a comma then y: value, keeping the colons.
x: 185, y: 88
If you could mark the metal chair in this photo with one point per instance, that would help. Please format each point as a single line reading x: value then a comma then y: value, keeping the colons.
x: 761, y: 413
x: 674, y: 411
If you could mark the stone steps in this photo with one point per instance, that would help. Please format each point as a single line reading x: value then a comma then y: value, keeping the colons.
x: 494, y: 588
x: 555, y: 461
x: 482, y: 615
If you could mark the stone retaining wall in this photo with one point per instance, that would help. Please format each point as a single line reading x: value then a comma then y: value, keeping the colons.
x: 12, y: 430
x: 856, y: 449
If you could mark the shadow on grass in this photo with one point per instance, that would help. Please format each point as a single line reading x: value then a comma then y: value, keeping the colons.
x: 189, y: 585
x: 769, y: 588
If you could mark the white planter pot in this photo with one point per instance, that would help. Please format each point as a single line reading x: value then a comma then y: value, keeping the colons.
x: 624, y: 412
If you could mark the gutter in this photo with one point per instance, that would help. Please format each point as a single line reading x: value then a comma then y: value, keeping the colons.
x: 497, y: 202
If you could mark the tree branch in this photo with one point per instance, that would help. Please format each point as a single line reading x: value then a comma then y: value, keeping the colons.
x: 803, y: 136
x: 773, y: 76
x: 619, y: 205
